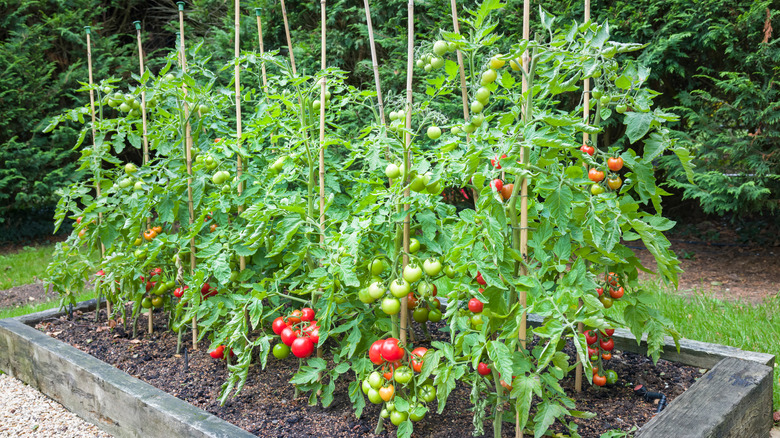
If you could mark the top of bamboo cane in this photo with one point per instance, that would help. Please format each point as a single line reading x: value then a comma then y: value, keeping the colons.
x: 87, y: 29
x: 137, y: 24
x: 258, y: 11
x: 181, y: 5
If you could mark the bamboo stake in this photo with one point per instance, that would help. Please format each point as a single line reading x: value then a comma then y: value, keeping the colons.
x: 323, y: 90
x: 258, y: 11
x: 239, y: 161
x: 463, y: 86
x: 372, y: 44
x: 407, y: 157
x: 188, y: 153
x: 88, y: 31
x: 289, y: 40
x: 524, y: 156
x: 585, y: 117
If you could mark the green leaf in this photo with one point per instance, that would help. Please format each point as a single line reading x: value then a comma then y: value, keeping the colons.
x: 637, y: 125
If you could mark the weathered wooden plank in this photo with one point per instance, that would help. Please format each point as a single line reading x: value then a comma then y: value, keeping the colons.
x: 101, y: 394
x: 733, y: 400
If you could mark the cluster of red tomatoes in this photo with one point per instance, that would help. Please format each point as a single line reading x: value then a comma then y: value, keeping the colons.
x: 600, y: 346
x: 505, y: 190
x: 208, y: 290
x: 612, y: 290
x: 613, y: 181
x: 379, y: 387
x: 299, y: 332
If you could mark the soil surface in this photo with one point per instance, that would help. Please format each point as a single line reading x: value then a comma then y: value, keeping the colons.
x: 267, y: 406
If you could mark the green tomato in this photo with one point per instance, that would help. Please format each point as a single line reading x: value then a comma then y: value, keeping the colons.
x: 400, y: 289
x: 397, y: 417
x: 392, y: 171
x: 391, y: 306
x: 469, y: 129
x: 412, y: 273
x: 478, y: 120
x: 440, y: 47
x: 420, y: 63
x: 402, y: 374
x: 281, y: 351
x: 477, y: 107
x: 434, y: 188
x: 424, y: 289
x: 428, y: 68
x: 434, y: 315
x: 376, y: 290
x: 414, y: 417
x: 146, y: 303
x: 437, y: 63
x: 365, y: 297
x: 130, y: 168
x: 376, y: 266
x: 596, y: 189
x: 384, y: 413
x: 476, y: 321
x: 365, y: 386
x: 420, y: 314
x: 418, y: 183
x: 138, y: 186
x: 611, y: 376
x: 488, y: 77
x: 427, y: 393
x: 434, y: 132
x: 483, y: 94
x: 375, y: 380
x: 125, y: 183
x: 414, y: 245
x: 596, y: 93
x: 278, y: 164
x: 374, y: 397
x: 449, y: 271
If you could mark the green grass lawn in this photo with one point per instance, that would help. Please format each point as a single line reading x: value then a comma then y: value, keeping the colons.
x: 747, y: 326
x: 37, y: 307
x: 25, y: 266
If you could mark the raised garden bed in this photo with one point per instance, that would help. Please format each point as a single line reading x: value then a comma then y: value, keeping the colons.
x: 732, y: 399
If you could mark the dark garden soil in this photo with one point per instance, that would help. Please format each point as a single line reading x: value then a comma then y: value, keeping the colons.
x: 266, y: 406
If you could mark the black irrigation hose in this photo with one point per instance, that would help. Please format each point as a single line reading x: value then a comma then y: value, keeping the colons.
x: 649, y: 396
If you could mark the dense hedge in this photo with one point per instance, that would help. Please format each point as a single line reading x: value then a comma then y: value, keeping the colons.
x: 714, y: 60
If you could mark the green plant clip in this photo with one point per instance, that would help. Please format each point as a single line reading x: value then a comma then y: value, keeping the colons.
x: 137, y: 24
x: 88, y: 30
x: 258, y: 11
x: 181, y: 5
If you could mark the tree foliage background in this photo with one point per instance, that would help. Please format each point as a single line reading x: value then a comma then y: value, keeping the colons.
x: 714, y: 60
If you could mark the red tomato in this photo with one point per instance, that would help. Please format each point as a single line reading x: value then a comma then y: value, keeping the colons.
x: 479, y: 279
x: 411, y: 300
x: 590, y: 150
x: 375, y: 352
x: 495, y: 161
x: 606, y: 356
x: 498, y: 184
x: 314, y: 335
x: 218, y: 352
x: 595, y: 175
x: 615, y: 163
x: 294, y: 318
x: 607, y: 345
x: 307, y: 314
x: 616, y: 293
x: 288, y: 336
x: 179, y: 291
x: 592, y: 351
x: 609, y: 332
x: 475, y: 305
x: 434, y: 291
x: 417, y: 355
x: 391, y: 352
x: 278, y: 325
x: 599, y: 380
x: 483, y: 369
x: 600, y: 291
x: 100, y: 273
x: 590, y: 337
x: 302, y: 347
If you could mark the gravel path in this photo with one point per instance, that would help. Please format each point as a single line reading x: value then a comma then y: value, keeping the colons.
x: 25, y: 412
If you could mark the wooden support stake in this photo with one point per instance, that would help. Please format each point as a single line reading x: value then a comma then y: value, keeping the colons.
x: 88, y: 30
x: 585, y: 117
x: 407, y: 157
x: 375, y: 63
x: 258, y: 12
x: 237, y: 72
x: 323, y: 91
x: 188, y: 154
x: 524, y: 156
x: 289, y: 40
x: 143, y: 102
